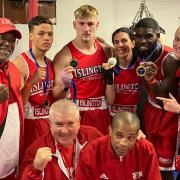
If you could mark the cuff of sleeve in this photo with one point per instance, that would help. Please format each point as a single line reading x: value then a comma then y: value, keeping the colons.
x: 38, y: 172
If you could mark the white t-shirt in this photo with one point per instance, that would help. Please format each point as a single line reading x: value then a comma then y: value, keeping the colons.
x: 9, y: 142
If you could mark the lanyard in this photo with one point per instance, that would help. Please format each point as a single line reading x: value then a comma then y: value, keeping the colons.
x: 74, y: 91
x: 149, y: 56
x: 77, y: 148
x: 45, y: 82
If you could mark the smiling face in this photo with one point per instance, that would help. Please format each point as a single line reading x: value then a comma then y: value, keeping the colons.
x: 86, y: 28
x: 176, y: 43
x: 7, y: 45
x: 123, y: 137
x: 123, y: 45
x: 64, y: 128
x: 145, y: 40
x: 42, y: 36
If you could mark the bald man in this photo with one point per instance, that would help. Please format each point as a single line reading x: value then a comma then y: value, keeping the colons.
x: 54, y: 156
x: 119, y: 155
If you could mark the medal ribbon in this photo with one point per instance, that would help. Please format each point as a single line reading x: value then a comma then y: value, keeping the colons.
x: 45, y: 82
x: 73, y: 85
x: 147, y: 58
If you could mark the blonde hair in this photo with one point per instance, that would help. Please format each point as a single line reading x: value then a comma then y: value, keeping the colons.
x: 85, y: 11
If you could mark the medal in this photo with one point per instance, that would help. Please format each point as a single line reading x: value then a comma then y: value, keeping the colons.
x: 112, y: 62
x: 73, y: 63
x: 46, y: 103
x: 141, y: 71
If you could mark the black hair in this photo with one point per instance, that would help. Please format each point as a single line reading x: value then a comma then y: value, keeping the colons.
x: 37, y: 20
x: 162, y: 30
x: 147, y: 23
x: 125, y: 30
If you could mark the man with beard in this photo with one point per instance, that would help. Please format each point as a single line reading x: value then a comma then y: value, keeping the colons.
x: 11, y: 104
x: 157, y: 67
x: 119, y: 155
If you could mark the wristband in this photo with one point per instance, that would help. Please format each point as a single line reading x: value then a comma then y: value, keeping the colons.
x: 108, y: 76
x: 152, y: 81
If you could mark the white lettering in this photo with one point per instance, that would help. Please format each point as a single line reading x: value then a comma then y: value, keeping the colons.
x: 80, y: 73
x: 39, y: 86
x: 137, y: 175
x: 90, y: 102
x: 41, y: 111
x: 127, y: 87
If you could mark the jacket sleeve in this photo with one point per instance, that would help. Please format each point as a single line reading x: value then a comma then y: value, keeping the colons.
x: 152, y: 170
x: 30, y: 173
x: 27, y: 171
x: 83, y: 170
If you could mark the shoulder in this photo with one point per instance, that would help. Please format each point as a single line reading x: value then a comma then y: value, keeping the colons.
x: 18, y: 59
x: 97, y: 146
x: 13, y: 68
x: 167, y: 48
x: 21, y: 65
x: 43, y: 141
x: 170, y: 63
x: 143, y: 145
x: 88, y: 133
x: 62, y: 57
x: 11, y: 64
x: 106, y: 47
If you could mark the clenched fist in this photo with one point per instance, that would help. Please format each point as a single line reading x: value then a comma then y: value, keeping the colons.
x: 151, y: 70
x: 43, y: 156
x: 66, y: 75
x: 4, y: 93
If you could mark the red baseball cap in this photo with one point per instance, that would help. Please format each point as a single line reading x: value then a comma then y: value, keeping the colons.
x: 7, y: 26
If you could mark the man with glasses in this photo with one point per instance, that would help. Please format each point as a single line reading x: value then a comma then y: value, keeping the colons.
x: 11, y: 105
x: 54, y: 156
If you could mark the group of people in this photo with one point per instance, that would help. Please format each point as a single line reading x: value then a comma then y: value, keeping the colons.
x: 79, y: 116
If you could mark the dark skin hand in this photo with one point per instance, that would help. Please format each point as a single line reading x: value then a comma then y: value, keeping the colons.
x: 169, y: 83
x: 151, y: 70
x: 4, y: 93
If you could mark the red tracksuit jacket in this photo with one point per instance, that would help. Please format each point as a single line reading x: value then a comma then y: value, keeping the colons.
x: 97, y: 162
x: 53, y: 171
